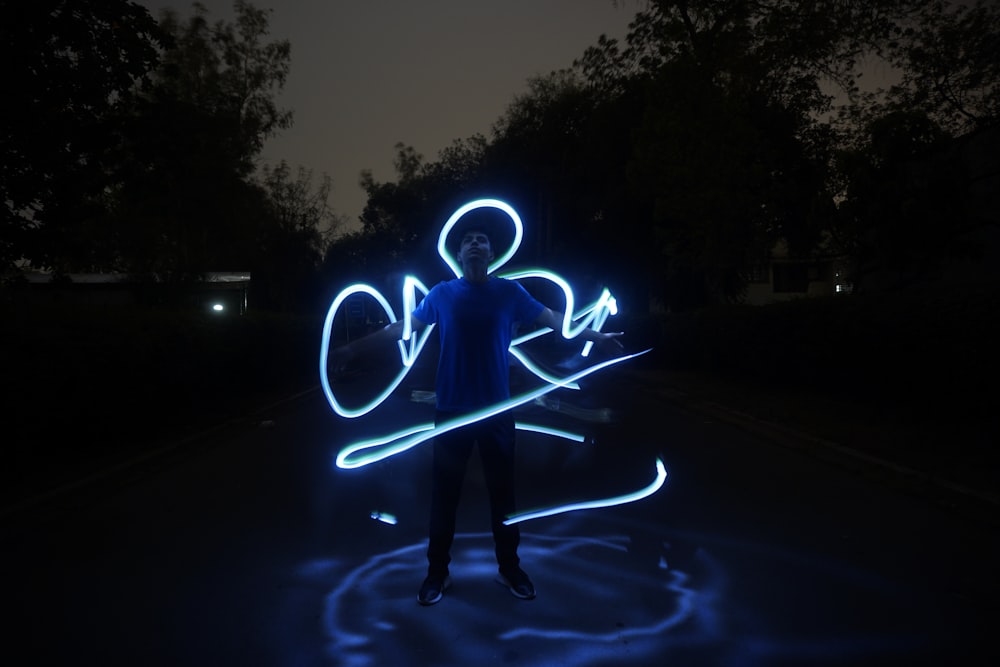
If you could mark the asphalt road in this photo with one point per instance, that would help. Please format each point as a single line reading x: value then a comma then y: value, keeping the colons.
x: 248, y: 547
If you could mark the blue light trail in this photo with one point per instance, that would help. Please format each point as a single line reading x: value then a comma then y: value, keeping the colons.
x: 396, y: 443
x: 574, y: 323
x: 661, y: 477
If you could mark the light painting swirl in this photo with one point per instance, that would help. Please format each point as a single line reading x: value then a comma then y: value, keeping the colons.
x: 411, y: 344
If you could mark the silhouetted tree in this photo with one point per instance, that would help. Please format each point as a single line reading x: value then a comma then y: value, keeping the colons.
x: 184, y: 199
x: 947, y: 55
x: 401, y: 219
x: 229, y: 72
x: 737, y: 136
x: 902, y: 185
x: 292, y: 246
x: 711, y: 134
x: 536, y: 155
x: 561, y: 150
x: 69, y: 65
x: 726, y: 155
x: 903, y: 210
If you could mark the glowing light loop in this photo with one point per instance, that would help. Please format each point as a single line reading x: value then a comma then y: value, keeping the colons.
x: 452, y: 261
x: 573, y: 324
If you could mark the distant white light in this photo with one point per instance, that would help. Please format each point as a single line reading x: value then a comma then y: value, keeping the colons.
x: 218, y: 307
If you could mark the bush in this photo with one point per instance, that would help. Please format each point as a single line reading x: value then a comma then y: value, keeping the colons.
x: 926, y: 347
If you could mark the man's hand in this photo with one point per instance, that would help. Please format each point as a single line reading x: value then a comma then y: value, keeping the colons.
x: 607, y: 342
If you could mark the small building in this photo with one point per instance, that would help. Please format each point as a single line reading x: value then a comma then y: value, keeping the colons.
x: 781, y: 277
x: 217, y: 291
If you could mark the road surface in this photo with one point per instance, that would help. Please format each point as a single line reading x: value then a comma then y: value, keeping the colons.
x: 249, y: 547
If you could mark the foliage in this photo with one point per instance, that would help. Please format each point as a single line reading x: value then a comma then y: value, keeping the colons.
x: 292, y: 245
x: 561, y: 150
x: 948, y: 54
x: 903, y: 181
x: 160, y: 178
x: 540, y: 152
x: 725, y: 155
x: 179, y: 205
x: 721, y: 129
x: 903, y: 210
x: 184, y: 200
x: 228, y: 71
x: 400, y: 218
x: 70, y: 65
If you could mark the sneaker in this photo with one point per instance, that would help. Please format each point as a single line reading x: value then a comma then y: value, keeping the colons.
x: 432, y: 590
x: 518, y: 583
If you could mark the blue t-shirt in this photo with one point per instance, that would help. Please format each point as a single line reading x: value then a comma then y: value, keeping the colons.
x: 475, y: 323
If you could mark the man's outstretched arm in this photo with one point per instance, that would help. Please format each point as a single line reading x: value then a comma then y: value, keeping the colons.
x: 363, y: 349
x: 608, y: 341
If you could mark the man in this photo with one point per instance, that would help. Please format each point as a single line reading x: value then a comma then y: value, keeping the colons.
x: 475, y: 316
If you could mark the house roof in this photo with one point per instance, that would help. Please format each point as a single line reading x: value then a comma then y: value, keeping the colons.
x: 41, y: 278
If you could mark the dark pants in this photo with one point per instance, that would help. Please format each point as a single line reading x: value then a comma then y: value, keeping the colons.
x: 451, y: 456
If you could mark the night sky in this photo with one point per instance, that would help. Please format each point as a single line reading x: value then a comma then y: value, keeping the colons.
x: 368, y: 74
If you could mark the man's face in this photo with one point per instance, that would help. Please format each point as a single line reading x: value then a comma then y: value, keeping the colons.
x: 475, y: 247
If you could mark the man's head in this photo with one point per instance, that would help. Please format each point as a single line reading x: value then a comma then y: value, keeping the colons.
x: 474, y: 247
x: 475, y: 235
